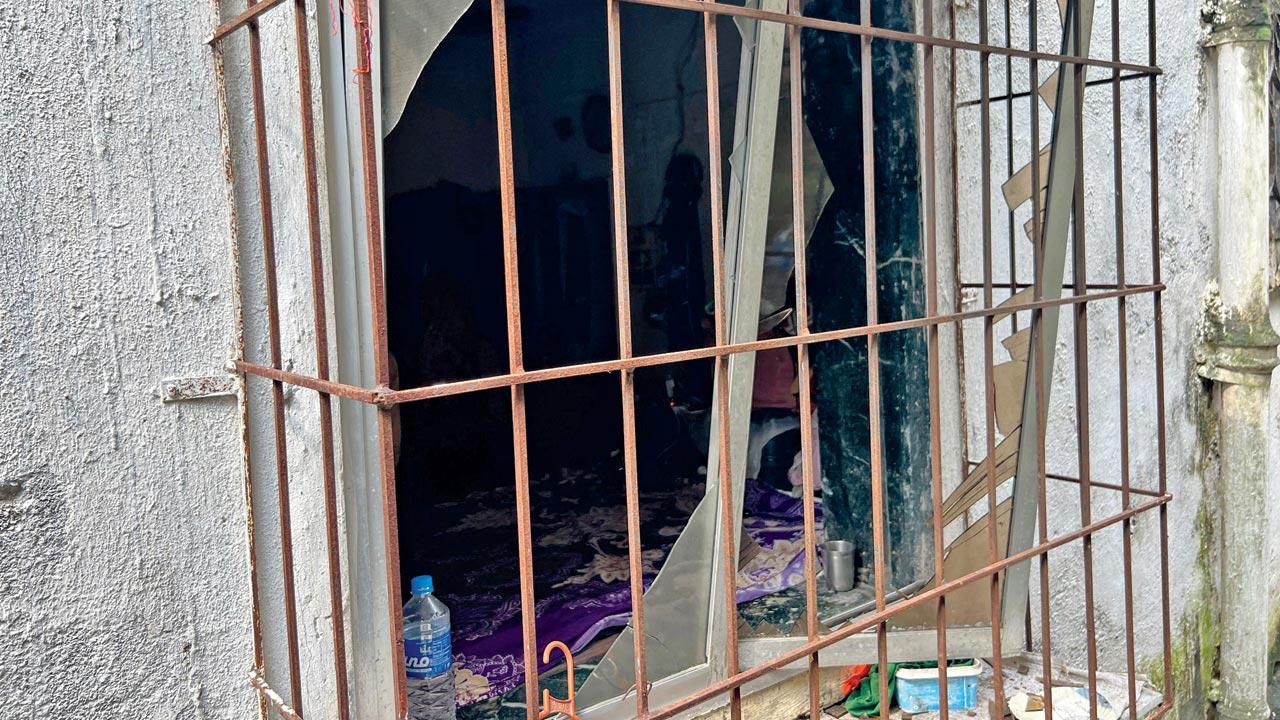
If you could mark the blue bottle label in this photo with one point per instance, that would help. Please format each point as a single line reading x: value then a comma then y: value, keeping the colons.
x: 429, y: 656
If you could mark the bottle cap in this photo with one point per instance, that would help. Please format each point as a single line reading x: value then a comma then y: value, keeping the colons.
x: 421, y: 585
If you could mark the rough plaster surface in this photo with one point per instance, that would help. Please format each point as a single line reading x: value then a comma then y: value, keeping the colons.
x: 122, y: 560
x: 124, y: 585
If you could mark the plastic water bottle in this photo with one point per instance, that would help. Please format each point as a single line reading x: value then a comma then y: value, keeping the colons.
x: 428, y: 654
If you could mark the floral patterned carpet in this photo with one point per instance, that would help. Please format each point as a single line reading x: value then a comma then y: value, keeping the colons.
x: 580, y: 566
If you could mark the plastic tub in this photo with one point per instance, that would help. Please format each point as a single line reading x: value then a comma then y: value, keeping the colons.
x: 918, y: 688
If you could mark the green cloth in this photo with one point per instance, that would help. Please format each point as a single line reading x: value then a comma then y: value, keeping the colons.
x: 864, y: 701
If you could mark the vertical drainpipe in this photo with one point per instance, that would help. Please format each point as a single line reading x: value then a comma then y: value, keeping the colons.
x: 1239, y: 349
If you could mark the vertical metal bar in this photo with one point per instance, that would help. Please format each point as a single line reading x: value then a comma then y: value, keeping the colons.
x: 1081, y: 327
x: 1037, y: 330
x: 952, y: 106
x: 715, y: 165
x: 931, y: 284
x: 627, y: 376
x: 728, y: 546
x: 251, y: 539
x: 364, y: 79
x: 1008, y: 137
x: 873, y: 350
x: 273, y: 341
x: 1157, y: 310
x: 515, y: 352
x: 728, y: 542
x: 727, y: 519
x: 800, y: 246
x: 988, y: 328
x: 329, y: 480
x: 1122, y: 333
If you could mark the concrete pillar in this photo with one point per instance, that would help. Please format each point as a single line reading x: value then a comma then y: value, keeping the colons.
x: 1240, y: 349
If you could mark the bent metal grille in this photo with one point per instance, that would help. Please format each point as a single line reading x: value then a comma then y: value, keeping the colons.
x: 1055, y: 191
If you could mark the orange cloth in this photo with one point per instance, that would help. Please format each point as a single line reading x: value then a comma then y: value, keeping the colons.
x: 852, y: 676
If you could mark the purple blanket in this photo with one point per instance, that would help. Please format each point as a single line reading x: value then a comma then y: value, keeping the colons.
x: 580, y: 565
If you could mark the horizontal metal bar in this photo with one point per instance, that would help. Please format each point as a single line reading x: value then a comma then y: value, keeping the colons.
x: 384, y: 398
x: 856, y: 610
x: 885, y: 34
x: 558, y: 373
x: 327, y: 387
x: 808, y: 648
x: 1161, y: 710
x: 1092, y: 483
x: 1101, y: 81
x: 1104, y: 485
x: 241, y: 20
x: 1005, y: 285
x: 273, y: 697
x: 904, y: 646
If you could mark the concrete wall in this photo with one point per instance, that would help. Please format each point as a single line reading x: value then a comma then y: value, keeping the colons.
x: 1187, y: 211
x: 122, y: 556
x: 124, y: 579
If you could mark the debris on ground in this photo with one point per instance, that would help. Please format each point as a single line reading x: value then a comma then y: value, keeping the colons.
x: 1025, y: 695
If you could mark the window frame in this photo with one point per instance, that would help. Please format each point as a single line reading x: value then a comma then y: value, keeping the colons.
x: 361, y: 478
x: 376, y: 399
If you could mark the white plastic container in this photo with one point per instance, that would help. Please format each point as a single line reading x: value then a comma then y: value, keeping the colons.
x: 918, y: 688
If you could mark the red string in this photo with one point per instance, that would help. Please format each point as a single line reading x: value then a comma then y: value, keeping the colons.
x: 338, y: 8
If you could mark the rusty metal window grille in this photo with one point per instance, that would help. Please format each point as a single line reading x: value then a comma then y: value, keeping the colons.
x: 1060, y: 208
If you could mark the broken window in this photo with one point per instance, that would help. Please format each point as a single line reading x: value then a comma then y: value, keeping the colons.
x: 647, y: 298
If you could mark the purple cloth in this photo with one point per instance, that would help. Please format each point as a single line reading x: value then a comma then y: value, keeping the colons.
x: 580, y: 565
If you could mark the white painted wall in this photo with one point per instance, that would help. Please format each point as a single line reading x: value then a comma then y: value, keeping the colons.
x: 122, y: 556
x: 124, y: 584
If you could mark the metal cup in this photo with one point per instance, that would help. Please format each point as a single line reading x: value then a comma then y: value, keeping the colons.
x: 837, y: 562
